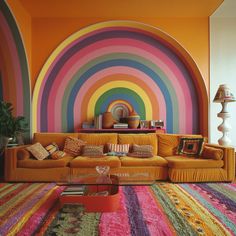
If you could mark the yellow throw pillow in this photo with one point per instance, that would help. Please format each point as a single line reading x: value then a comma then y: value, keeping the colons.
x: 73, y: 146
x: 167, y: 144
x: 212, y: 153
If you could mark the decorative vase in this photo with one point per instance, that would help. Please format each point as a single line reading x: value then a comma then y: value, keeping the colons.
x: 133, y: 120
x: 107, y: 120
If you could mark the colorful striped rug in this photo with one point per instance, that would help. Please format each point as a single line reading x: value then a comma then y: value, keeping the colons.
x: 161, y: 209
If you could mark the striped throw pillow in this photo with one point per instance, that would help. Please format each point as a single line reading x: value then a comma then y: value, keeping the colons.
x: 118, y: 148
x: 51, y: 148
x: 141, y: 151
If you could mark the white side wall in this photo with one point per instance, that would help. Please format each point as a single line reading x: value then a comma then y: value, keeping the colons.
x: 222, y: 70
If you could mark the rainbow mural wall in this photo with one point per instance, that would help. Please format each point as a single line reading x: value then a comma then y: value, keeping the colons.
x: 14, y: 75
x: 114, y: 63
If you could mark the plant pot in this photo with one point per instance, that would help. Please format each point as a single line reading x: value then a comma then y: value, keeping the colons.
x: 3, y: 141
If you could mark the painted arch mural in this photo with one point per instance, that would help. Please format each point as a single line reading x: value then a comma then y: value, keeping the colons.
x: 120, y: 62
x: 14, y: 74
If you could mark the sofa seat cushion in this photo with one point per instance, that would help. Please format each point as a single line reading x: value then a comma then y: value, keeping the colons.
x: 137, y: 161
x: 46, y: 163
x: 85, y: 161
x: 183, y: 162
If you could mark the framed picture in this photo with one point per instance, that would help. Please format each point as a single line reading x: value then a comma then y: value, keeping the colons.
x: 144, y: 124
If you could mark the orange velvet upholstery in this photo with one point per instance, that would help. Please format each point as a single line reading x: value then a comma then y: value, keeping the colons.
x: 92, y: 162
x: 48, y: 163
x: 137, y: 161
x: 183, y: 162
x: 19, y: 165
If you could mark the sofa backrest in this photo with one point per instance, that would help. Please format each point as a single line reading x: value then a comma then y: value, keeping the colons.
x: 168, y: 143
x: 139, y: 139
x: 47, y: 138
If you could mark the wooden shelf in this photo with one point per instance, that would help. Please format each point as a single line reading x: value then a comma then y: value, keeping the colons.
x: 93, y: 130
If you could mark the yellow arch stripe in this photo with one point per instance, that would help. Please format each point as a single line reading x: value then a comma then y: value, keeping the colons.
x: 121, y: 84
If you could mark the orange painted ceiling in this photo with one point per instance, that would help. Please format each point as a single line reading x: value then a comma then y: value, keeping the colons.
x: 120, y: 8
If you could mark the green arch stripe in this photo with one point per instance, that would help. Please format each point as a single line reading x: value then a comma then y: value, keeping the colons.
x: 105, y: 98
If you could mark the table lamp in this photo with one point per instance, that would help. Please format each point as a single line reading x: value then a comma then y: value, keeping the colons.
x: 223, y: 96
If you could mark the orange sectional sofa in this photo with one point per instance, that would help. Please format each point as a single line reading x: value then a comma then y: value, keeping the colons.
x: 164, y: 165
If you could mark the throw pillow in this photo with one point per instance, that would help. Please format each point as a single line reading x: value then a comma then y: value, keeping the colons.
x: 118, y: 149
x: 93, y: 150
x: 57, y: 155
x: 141, y: 151
x: 190, y: 146
x: 38, y: 151
x: 73, y: 146
x: 51, y: 148
x: 212, y: 153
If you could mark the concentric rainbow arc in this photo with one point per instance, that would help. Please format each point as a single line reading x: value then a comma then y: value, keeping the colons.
x: 119, y: 60
x: 14, y: 76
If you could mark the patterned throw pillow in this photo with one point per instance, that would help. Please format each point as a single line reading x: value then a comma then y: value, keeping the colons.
x: 73, y: 146
x: 190, y: 146
x: 141, y: 151
x: 93, y: 150
x: 38, y: 151
x: 118, y: 149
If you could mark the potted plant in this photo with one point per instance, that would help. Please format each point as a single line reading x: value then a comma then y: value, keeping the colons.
x: 11, y: 127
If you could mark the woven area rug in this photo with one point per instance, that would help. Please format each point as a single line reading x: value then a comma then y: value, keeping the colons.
x: 161, y: 209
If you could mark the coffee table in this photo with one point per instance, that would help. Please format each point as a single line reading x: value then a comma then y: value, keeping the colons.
x: 95, y: 193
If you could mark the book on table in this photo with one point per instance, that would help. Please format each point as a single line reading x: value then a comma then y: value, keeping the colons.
x: 74, y: 190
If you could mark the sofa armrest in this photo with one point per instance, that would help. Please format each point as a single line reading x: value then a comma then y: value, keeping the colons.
x: 10, y: 160
x: 228, y: 158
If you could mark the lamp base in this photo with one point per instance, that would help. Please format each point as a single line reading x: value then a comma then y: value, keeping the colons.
x: 224, y: 127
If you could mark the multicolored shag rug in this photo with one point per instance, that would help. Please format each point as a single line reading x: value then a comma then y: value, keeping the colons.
x: 161, y: 209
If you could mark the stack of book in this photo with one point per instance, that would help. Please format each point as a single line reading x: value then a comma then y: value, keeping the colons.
x: 74, y: 190
x: 120, y: 126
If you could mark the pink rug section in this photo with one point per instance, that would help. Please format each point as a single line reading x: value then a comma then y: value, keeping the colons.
x: 115, y: 223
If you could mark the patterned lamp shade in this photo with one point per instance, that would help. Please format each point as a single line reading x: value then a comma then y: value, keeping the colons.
x: 224, y: 94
